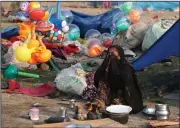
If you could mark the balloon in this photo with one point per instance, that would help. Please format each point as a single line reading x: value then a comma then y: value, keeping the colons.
x: 22, y: 53
x: 92, y: 42
x: 67, y: 16
x: 45, y: 16
x: 94, y: 51
x: 120, y: 22
x: 134, y: 16
x: 34, y: 5
x: 114, y: 31
x: 74, y: 32
x: 122, y: 25
x: 36, y: 14
x: 107, y: 39
x: 24, y: 6
x: 92, y: 33
x: 126, y: 7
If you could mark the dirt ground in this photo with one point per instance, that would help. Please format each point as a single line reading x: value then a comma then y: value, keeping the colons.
x: 16, y: 106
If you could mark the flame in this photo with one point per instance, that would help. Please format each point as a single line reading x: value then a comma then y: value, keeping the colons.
x: 90, y: 107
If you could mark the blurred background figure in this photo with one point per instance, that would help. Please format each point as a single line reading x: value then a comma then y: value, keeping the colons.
x: 106, y: 4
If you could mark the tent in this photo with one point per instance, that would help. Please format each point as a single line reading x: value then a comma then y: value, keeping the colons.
x: 167, y: 45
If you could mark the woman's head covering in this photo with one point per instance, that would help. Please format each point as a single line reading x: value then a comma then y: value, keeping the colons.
x: 110, y: 62
x: 120, y: 52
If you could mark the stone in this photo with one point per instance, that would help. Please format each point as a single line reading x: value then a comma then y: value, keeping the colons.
x: 167, y: 64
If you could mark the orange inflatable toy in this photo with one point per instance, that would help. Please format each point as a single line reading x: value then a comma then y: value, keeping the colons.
x: 134, y: 16
x: 24, y: 29
x: 33, y: 42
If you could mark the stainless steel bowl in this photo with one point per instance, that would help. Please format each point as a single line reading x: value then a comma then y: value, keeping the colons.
x: 162, y: 107
x: 149, y: 111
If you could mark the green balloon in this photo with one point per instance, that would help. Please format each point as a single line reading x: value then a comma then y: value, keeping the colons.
x: 122, y: 25
x: 74, y: 35
x: 127, y: 7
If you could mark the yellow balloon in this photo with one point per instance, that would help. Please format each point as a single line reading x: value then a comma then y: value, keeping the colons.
x: 22, y: 53
x: 34, y: 5
x: 45, y: 16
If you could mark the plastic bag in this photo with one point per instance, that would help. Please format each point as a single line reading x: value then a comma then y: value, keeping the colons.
x: 71, y: 80
x: 155, y: 32
x: 135, y: 35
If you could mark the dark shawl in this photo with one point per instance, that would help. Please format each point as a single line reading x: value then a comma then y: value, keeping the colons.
x: 120, y: 76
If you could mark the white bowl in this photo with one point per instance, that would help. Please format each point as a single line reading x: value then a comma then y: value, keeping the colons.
x: 119, y: 109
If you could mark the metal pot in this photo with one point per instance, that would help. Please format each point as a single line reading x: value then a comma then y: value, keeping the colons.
x: 72, y: 103
x: 162, y: 111
x: 62, y: 112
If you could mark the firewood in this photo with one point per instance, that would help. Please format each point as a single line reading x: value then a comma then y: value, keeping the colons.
x: 163, y: 123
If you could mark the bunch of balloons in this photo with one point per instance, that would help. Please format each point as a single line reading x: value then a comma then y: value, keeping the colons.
x: 129, y: 14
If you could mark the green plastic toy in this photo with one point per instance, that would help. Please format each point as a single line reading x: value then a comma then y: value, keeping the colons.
x: 12, y: 72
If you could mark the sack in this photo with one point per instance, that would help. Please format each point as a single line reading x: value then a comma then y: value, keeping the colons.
x: 155, y: 32
x: 71, y: 80
x: 133, y: 37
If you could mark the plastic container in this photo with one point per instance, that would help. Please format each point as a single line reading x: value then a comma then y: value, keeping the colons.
x: 34, y: 114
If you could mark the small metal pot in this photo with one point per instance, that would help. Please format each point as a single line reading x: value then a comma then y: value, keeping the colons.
x: 62, y: 112
x: 162, y: 111
x: 72, y: 103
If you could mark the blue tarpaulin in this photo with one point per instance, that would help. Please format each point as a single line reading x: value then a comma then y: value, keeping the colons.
x: 167, y: 45
x: 101, y: 22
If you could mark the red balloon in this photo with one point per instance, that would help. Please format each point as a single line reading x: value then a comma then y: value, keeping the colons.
x: 37, y: 14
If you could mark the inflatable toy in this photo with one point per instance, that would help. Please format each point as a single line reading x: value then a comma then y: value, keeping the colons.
x: 74, y: 32
x: 12, y: 72
x: 24, y: 6
x: 34, y: 5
